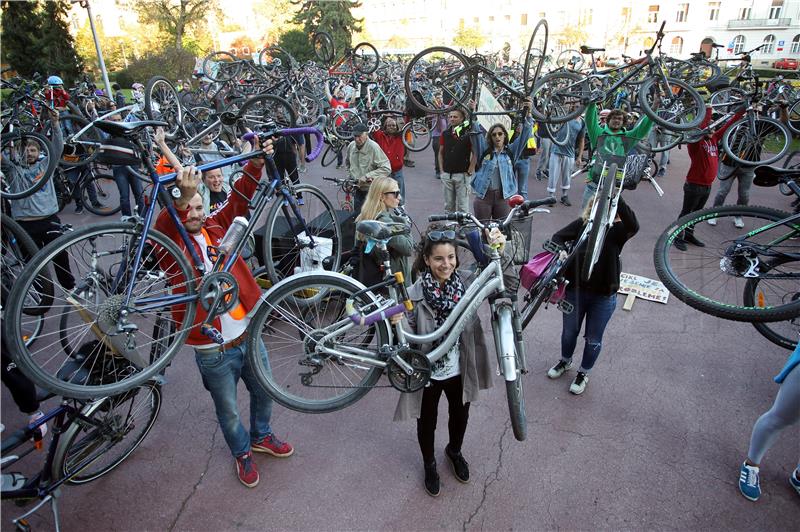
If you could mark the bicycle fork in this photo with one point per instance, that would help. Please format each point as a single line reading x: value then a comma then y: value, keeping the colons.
x: 507, y: 331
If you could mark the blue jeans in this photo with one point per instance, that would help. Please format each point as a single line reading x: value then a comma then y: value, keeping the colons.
x: 544, y: 155
x: 221, y: 372
x: 588, y: 193
x: 597, y: 309
x: 401, y: 182
x: 125, y: 182
x: 522, y: 168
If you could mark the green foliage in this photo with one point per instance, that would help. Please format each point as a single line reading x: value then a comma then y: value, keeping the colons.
x: 296, y: 42
x: 175, y: 17
x: 171, y: 63
x: 334, y: 17
x: 469, y: 38
x: 36, y: 38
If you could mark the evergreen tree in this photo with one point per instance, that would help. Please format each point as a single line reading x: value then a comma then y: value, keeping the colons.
x: 333, y: 17
x: 296, y: 43
x: 21, y: 43
x: 58, y: 53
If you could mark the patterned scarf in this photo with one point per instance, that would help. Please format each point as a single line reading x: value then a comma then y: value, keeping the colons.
x: 442, y: 298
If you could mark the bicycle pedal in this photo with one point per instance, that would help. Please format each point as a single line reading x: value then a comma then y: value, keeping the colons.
x: 565, y: 306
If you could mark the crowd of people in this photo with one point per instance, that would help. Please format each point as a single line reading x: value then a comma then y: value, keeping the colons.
x: 478, y: 170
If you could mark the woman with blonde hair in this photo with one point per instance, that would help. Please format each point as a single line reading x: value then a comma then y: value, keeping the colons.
x: 383, y: 204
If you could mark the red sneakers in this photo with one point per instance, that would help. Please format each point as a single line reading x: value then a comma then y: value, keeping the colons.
x: 246, y: 469
x: 272, y: 445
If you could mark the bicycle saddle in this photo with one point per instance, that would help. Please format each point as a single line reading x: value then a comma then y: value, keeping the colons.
x: 715, y: 45
x: 589, y: 50
x: 769, y: 176
x: 124, y: 129
x: 698, y: 55
x: 374, y: 229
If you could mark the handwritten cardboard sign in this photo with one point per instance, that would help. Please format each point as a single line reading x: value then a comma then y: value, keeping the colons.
x: 638, y: 286
x: 488, y: 103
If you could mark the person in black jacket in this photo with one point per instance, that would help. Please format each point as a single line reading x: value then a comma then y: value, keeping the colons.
x: 594, y: 300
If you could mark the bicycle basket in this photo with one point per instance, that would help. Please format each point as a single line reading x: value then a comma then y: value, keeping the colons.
x: 118, y: 151
x: 520, y: 232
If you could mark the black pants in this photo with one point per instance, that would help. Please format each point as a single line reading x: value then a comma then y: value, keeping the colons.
x: 22, y: 389
x: 694, y: 199
x: 43, y: 232
x: 287, y: 165
x: 458, y: 415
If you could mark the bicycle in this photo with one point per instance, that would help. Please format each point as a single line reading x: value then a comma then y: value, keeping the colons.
x: 362, y: 58
x: 14, y: 159
x: 84, y: 436
x: 747, y: 272
x: 347, y: 187
x: 134, y: 287
x: 327, y: 353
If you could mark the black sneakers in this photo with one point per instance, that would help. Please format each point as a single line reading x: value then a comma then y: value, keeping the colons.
x: 460, y: 466
x: 680, y: 244
x: 565, y: 201
x: 432, y: 479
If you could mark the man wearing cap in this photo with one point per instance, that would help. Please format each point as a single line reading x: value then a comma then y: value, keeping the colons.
x: 365, y: 163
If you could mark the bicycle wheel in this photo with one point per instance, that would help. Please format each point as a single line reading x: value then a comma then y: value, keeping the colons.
x: 81, y: 149
x: 758, y: 293
x: 113, y: 351
x: 597, y: 234
x: 712, y: 279
x: 416, y: 135
x: 696, y: 73
x: 161, y: 102
x: 448, y: 74
x: 330, y: 155
x: 18, y: 248
x: 258, y: 110
x: 506, y: 346
x: 756, y: 140
x: 323, y: 46
x: 559, y: 97
x: 115, y: 427
x: 365, y: 58
x: 306, y: 106
x: 680, y: 108
x: 221, y: 66
x: 724, y: 100
x: 198, y: 119
x: 794, y: 117
x: 344, y: 120
x: 534, y: 56
x: 99, y: 195
x: 287, y: 249
x: 291, y: 328
x: 570, y: 59
x: 18, y: 150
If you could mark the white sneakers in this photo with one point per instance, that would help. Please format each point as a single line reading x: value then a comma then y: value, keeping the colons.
x: 712, y: 221
x: 579, y: 384
x: 738, y: 222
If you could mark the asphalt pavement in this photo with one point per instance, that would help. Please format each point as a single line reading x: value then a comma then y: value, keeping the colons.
x: 655, y: 442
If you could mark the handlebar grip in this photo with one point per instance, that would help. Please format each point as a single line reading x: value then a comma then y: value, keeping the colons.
x: 318, y: 127
x: 661, y: 29
x: 442, y: 218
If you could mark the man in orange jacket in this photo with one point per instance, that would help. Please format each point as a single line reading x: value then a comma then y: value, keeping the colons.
x: 221, y: 366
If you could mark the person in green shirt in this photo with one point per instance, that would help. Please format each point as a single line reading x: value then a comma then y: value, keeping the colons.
x: 610, y: 139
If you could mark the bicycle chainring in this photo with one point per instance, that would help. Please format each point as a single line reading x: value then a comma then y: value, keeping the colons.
x: 419, y: 377
x: 218, y: 284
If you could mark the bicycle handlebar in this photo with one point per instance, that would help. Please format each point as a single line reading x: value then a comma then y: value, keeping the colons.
x: 315, y: 130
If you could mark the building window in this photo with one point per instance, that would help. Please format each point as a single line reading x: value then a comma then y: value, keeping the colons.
x: 795, y: 49
x: 769, y: 44
x: 523, y: 19
x: 738, y: 44
x: 652, y: 14
x: 713, y: 10
x: 744, y: 13
x: 683, y: 13
x: 491, y: 19
x: 507, y: 18
x: 775, y: 10
x: 474, y: 20
x: 676, y: 47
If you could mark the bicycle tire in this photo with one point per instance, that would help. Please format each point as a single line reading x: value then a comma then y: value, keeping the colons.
x: 455, y: 91
x: 83, y: 150
x: 366, y: 58
x: 18, y: 248
x: 570, y: 59
x: 221, y: 66
x: 698, y: 73
x: 684, y: 115
x: 556, y: 93
x: 343, y: 122
x: 284, y: 322
x: 161, y: 102
x: 773, y: 331
x: 793, y: 121
x: 516, y: 408
x: 257, y: 111
x: 13, y: 149
x: 99, y: 182
x: 599, y: 223
x: 771, y: 136
x: 329, y: 156
x: 324, y: 49
x: 533, y: 64
x: 83, y: 441
x: 416, y: 129
x: 705, y: 289
x: 97, y: 258
x: 282, y: 253
x: 724, y: 100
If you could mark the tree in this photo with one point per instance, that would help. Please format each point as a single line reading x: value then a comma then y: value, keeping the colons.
x: 244, y: 46
x: 572, y: 36
x: 278, y: 20
x: 468, y: 38
x: 36, y: 38
x: 174, y: 16
x: 297, y: 44
x: 334, y: 17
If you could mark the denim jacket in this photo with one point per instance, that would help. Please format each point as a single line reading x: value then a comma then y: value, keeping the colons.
x: 506, y: 159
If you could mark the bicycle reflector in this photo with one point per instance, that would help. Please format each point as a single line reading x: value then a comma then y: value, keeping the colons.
x: 515, y: 201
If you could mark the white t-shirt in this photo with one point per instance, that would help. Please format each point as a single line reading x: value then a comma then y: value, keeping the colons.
x: 231, y: 328
x: 448, y: 366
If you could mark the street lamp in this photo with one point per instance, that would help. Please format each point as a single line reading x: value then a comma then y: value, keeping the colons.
x: 85, y: 4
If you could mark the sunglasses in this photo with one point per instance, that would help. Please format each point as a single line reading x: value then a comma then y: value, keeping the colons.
x: 438, y: 236
x: 498, y: 134
x: 395, y: 193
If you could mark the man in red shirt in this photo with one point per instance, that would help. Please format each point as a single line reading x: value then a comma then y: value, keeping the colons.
x: 704, y: 160
x: 391, y: 142
x: 221, y: 366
